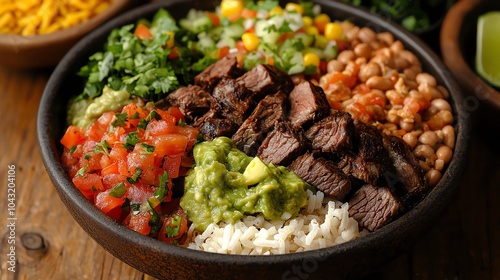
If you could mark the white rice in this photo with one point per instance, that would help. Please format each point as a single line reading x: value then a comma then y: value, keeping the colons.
x: 322, y: 223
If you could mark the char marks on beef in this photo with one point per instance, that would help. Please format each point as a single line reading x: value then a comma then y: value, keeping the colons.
x: 226, y: 67
x: 409, y: 174
x: 232, y: 100
x: 282, y: 145
x: 266, y: 115
x: 333, y: 134
x: 373, y: 207
x: 193, y: 101
x: 266, y: 79
x: 323, y: 175
x: 254, y: 130
x: 308, y: 104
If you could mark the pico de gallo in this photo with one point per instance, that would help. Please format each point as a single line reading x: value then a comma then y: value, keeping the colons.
x: 125, y: 162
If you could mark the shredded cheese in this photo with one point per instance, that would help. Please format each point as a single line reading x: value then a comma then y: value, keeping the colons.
x: 34, y: 17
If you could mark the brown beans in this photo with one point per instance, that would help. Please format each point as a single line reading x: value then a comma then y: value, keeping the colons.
x: 397, y: 47
x: 449, y: 136
x: 440, y: 120
x: 441, y: 104
x: 366, y: 35
x: 433, y: 176
x: 345, y: 56
x: 444, y: 153
x: 380, y: 83
x: 406, y: 126
x: 429, y: 138
x: 386, y: 37
x: 363, y: 50
x: 335, y: 66
x: 369, y: 70
x: 426, y: 78
x: 425, y: 152
x: 410, y: 139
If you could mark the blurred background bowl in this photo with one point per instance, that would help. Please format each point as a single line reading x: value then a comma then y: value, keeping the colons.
x: 458, y: 48
x: 38, y: 51
x: 165, y: 261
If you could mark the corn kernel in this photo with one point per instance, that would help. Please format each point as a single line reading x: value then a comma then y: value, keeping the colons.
x: 320, y: 22
x: 333, y: 31
x: 276, y: 11
x: 250, y: 41
x: 294, y: 7
x: 311, y: 59
x: 307, y: 21
x: 231, y: 7
x: 312, y: 30
x: 171, y: 40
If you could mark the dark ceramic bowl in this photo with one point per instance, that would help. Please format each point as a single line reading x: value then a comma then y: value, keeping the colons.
x: 458, y: 46
x: 165, y: 261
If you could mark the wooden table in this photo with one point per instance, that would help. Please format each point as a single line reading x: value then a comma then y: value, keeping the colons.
x: 464, y: 244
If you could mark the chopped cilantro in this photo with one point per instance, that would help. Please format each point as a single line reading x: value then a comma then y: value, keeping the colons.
x: 135, y: 178
x: 148, y: 149
x: 162, y: 189
x: 118, y: 190
x: 121, y: 118
x: 102, y: 147
x: 130, y: 140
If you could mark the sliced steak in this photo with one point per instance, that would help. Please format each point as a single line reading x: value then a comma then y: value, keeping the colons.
x: 192, y: 100
x: 323, y: 175
x: 308, y: 104
x: 213, y: 127
x: 408, y: 170
x: 266, y: 79
x: 282, y: 145
x: 232, y: 100
x: 254, y: 130
x: 226, y: 67
x: 366, y: 171
x: 373, y: 207
x: 333, y: 134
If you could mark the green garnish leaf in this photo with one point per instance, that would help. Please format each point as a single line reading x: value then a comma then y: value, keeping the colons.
x: 173, y: 229
x: 81, y: 171
x: 118, y: 190
x: 121, y: 118
x: 131, y: 140
x: 102, y: 147
x: 162, y: 189
x: 135, y: 178
x: 72, y: 150
x: 148, y: 149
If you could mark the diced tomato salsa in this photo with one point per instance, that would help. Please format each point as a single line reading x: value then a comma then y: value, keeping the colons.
x: 124, y: 163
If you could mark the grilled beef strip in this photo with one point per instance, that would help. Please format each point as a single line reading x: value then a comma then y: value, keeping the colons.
x: 283, y: 144
x: 323, y: 175
x: 374, y: 207
x: 226, y: 67
x: 308, y: 104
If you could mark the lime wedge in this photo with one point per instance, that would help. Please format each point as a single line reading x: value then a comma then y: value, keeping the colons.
x: 488, y: 47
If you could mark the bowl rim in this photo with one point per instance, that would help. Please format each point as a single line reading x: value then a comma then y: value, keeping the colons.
x: 70, y: 33
x: 396, y: 230
x: 454, y: 58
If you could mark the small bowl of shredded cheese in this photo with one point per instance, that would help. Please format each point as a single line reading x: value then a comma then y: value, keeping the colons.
x: 37, y: 33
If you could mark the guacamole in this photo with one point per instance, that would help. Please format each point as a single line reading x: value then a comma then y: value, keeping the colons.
x: 83, y: 112
x: 225, y: 184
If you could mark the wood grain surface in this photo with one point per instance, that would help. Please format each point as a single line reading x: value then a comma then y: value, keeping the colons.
x: 49, y: 244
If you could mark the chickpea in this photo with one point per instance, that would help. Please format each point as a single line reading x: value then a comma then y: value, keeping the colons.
x: 335, y: 66
x: 429, y: 138
x: 441, y: 104
x: 449, y: 136
x: 401, y: 63
x: 410, y: 74
x: 433, y: 176
x: 396, y: 46
x: 439, y: 120
x: 425, y: 167
x: 410, y: 139
x: 369, y: 70
x: 386, y: 37
x: 444, y: 153
x: 380, y: 83
x: 366, y: 35
x: 439, y: 165
x: 363, y: 50
x: 412, y: 59
x: 426, y: 78
x: 345, y: 56
x: 425, y: 152
x: 406, y: 126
